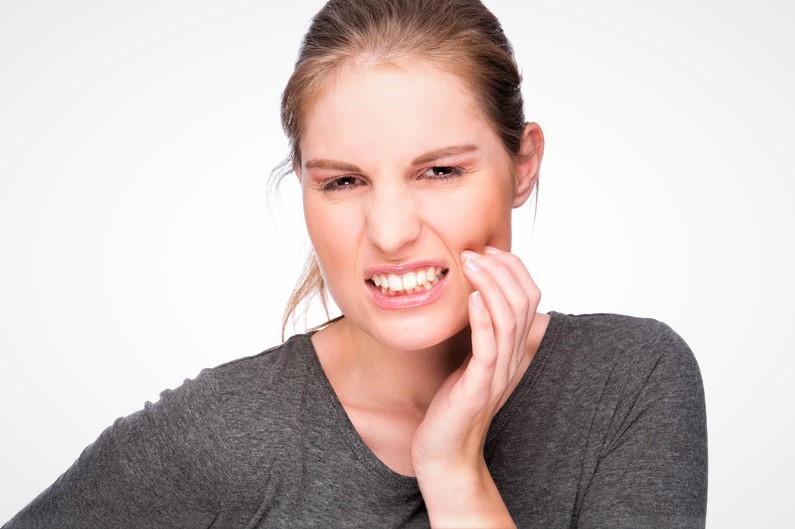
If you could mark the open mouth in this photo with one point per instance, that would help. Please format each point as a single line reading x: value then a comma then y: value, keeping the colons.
x: 419, y: 280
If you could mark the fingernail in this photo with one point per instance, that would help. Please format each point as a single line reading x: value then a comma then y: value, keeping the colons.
x: 477, y: 299
x: 469, y: 260
x: 492, y: 250
x: 469, y: 263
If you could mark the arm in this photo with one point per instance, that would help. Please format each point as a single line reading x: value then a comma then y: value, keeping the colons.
x: 153, y: 468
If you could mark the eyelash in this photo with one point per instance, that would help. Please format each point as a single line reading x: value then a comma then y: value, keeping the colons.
x: 454, y: 172
x: 336, y: 185
x: 333, y: 185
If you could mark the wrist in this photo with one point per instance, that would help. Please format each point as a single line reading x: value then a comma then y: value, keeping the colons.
x: 463, y: 498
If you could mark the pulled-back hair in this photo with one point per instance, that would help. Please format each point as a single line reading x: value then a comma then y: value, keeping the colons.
x: 459, y: 36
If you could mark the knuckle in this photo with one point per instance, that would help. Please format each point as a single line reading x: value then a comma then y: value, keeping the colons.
x: 515, y: 263
x: 508, y: 324
x: 534, y: 292
x: 513, y: 259
x: 490, y: 358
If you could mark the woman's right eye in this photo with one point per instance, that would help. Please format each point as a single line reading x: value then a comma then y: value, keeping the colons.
x: 341, y: 183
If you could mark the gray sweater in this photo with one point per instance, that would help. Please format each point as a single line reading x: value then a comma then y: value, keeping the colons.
x: 606, y: 430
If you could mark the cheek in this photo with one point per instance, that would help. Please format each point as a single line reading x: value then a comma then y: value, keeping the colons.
x: 473, y: 220
x: 334, y: 231
x: 323, y: 220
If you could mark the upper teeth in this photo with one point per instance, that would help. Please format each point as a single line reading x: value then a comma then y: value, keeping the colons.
x: 415, y: 281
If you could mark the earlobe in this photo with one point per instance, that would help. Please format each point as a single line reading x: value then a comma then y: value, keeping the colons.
x: 528, y: 163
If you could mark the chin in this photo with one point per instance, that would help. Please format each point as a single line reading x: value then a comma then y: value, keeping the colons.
x: 406, y: 342
x: 414, y: 334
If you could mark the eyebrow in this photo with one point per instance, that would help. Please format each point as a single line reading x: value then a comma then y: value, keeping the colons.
x: 443, y: 152
x: 419, y: 160
x: 331, y: 164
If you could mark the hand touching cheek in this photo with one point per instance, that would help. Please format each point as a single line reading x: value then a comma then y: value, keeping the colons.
x: 447, y: 449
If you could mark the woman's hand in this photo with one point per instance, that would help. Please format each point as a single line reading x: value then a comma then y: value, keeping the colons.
x: 447, y: 448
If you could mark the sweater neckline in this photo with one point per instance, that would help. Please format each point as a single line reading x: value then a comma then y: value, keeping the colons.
x: 367, y: 457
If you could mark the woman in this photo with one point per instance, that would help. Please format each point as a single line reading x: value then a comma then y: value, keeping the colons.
x: 440, y: 396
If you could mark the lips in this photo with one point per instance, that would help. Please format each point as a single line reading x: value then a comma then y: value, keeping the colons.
x: 406, y: 286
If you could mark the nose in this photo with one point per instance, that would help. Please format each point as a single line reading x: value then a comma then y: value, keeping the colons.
x: 393, y: 222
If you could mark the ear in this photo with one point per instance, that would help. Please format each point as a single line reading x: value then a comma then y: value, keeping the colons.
x: 528, y: 163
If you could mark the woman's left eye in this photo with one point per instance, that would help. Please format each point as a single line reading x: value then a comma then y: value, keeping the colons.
x: 441, y: 172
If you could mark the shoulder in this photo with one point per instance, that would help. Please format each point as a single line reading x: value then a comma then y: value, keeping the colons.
x: 620, y: 343
x: 610, y: 330
x: 634, y: 367
x: 258, y: 385
x: 288, y: 361
x: 261, y: 395
x: 223, y: 401
x: 267, y: 369
x: 624, y: 362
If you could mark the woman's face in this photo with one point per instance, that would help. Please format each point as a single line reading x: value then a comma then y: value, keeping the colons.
x: 400, y: 173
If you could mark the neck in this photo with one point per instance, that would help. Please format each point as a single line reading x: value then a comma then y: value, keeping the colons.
x: 367, y: 373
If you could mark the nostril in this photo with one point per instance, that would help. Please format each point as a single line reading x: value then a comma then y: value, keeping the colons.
x: 392, y: 232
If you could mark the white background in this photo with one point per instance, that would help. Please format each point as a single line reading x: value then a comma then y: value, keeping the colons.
x: 137, y: 245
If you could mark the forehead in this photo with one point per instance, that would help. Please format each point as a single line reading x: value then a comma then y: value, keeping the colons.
x: 392, y: 111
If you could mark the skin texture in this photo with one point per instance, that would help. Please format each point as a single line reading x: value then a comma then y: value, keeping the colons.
x: 400, y: 166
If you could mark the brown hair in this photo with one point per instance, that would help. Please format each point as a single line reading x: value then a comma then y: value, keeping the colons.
x: 459, y: 36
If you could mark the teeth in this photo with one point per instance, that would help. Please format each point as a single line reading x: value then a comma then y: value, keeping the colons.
x: 394, y: 282
x: 422, y: 277
x: 409, y: 283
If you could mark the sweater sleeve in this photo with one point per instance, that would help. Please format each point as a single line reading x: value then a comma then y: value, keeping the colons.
x: 653, y: 468
x: 157, y: 468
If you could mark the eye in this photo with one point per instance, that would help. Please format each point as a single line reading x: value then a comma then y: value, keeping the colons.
x: 341, y: 183
x: 441, y: 172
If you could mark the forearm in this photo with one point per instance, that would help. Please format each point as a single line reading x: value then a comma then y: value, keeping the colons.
x: 464, y: 499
